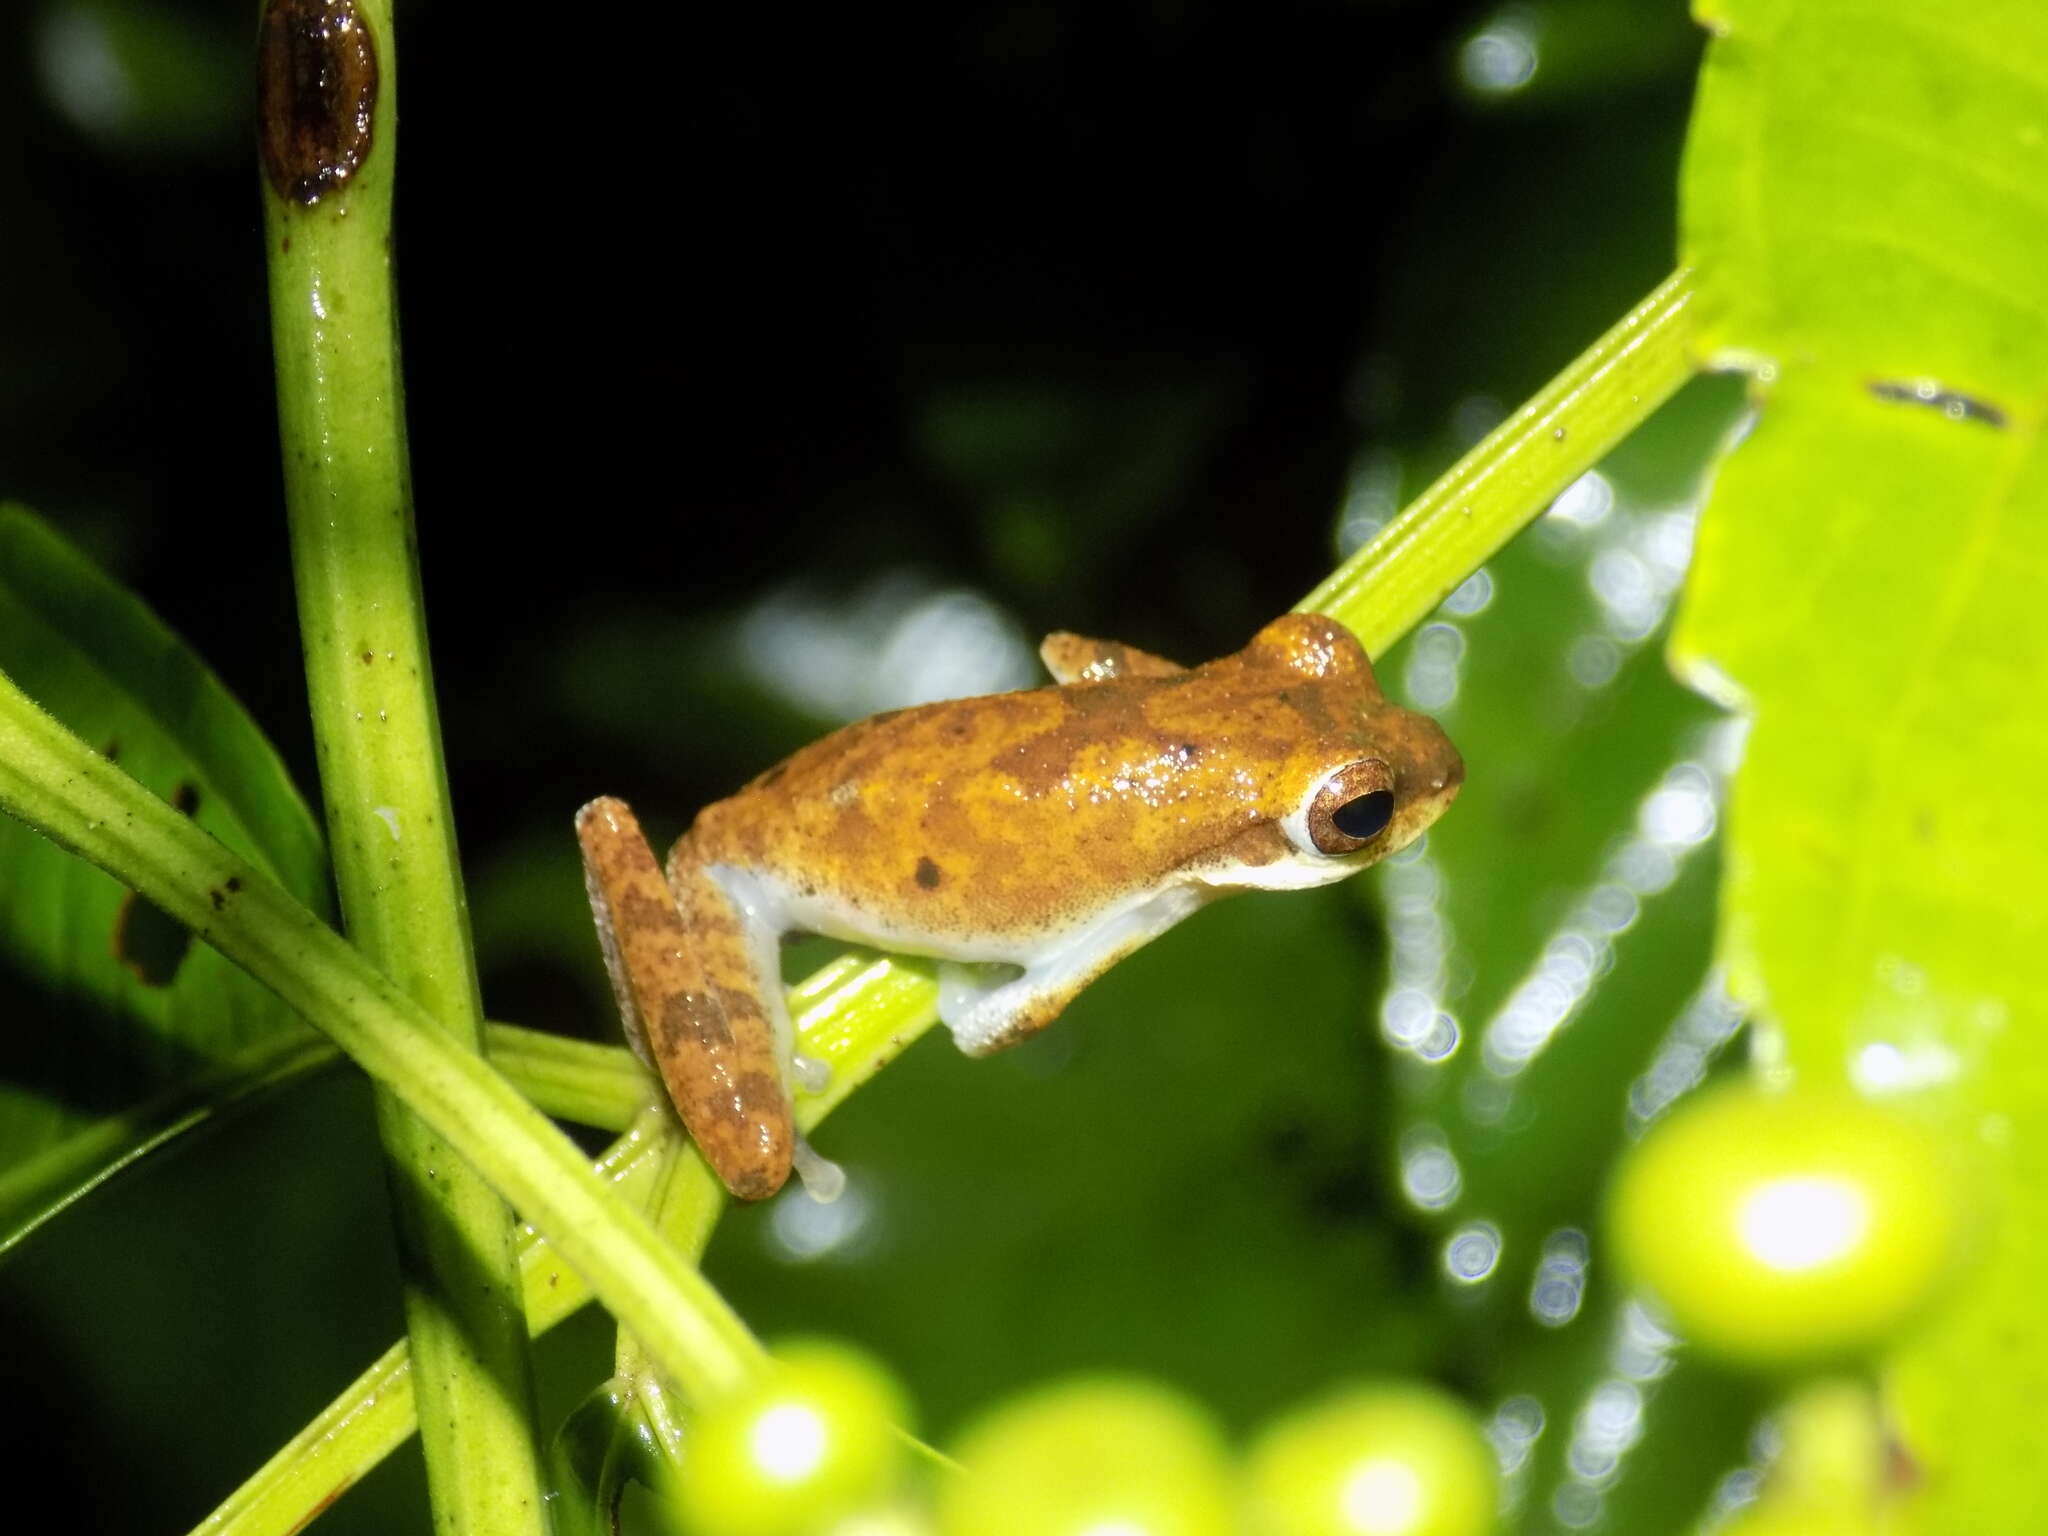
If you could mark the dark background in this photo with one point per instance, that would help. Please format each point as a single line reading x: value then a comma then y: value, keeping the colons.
x: 1099, y: 310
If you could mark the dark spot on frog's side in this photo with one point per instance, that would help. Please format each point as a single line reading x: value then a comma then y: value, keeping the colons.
x: 929, y: 874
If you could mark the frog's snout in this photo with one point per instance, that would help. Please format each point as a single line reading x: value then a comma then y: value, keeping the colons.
x: 1450, y: 774
x: 1436, y: 770
x: 1428, y: 758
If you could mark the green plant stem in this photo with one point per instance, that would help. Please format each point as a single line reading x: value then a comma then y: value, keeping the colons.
x: 62, y: 787
x: 58, y: 784
x: 341, y: 414
x: 1486, y: 498
x: 377, y: 1412
x: 855, y: 1014
x: 573, y: 1080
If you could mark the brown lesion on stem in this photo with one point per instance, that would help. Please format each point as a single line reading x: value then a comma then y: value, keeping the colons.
x: 316, y: 92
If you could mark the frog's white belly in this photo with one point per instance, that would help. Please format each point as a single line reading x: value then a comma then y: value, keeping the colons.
x: 770, y: 904
x: 1054, y: 961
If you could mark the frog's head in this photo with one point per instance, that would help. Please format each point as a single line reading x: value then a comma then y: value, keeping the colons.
x: 1368, y: 777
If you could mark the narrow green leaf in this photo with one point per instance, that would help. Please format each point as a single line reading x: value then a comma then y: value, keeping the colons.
x: 123, y: 1030
x: 1863, y: 200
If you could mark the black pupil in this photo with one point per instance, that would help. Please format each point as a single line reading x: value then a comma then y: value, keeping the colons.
x: 1366, y: 817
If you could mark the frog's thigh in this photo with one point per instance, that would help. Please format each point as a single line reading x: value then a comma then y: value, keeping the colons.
x: 680, y: 953
x: 985, y: 1018
x: 723, y: 1039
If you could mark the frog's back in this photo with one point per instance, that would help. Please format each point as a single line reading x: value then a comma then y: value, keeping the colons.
x: 1013, y: 812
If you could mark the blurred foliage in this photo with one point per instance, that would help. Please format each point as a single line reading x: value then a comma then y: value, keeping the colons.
x: 154, y: 1024
x: 933, y: 328
x: 1867, y: 224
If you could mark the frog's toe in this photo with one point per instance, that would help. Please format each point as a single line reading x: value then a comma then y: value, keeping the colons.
x: 823, y: 1180
x: 813, y: 1074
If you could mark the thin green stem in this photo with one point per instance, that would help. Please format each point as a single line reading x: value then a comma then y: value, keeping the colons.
x: 61, y: 786
x: 377, y: 1412
x: 1486, y: 498
x: 341, y: 413
x: 573, y: 1080
x: 856, y: 1015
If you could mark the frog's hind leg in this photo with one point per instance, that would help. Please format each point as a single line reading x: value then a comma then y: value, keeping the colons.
x: 685, y: 966
x: 985, y: 1017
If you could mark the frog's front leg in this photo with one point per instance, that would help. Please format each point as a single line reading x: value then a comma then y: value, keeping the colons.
x: 694, y: 974
x: 986, y: 1017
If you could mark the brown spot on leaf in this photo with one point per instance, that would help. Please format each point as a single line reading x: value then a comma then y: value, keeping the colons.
x: 149, y: 941
x: 316, y: 92
x: 929, y: 874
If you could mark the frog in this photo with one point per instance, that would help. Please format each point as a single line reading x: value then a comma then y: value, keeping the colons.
x: 1026, y: 841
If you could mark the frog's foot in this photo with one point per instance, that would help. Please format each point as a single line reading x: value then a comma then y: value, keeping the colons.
x: 985, y: 1015
x: 691, y: 967
x: 823, y: 1180
x: 813, y: 1074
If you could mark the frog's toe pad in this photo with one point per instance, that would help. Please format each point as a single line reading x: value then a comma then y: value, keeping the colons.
x: 823, y: 1180
x: 969, y: 993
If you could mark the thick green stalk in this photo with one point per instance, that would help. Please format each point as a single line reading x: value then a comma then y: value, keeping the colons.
x: 1486, y: 498
x: 328, y: 119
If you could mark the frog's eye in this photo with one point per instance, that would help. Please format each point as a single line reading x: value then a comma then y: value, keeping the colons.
x: 1346, y: 811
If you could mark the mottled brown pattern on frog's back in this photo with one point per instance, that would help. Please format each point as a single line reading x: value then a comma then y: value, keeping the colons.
x: 1029, y: 796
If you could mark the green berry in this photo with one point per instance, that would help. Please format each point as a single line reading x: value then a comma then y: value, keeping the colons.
x: 1788, y: 1230
x: 813, y: 1440
x: 1393, y: 1460
x: 1096, y: 1456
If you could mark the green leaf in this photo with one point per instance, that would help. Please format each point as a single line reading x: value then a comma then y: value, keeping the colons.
x: 122, y: 1030
x: 1863, y: 200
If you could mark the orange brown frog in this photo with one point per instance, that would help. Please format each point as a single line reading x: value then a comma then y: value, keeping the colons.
x: 1052, y: 831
